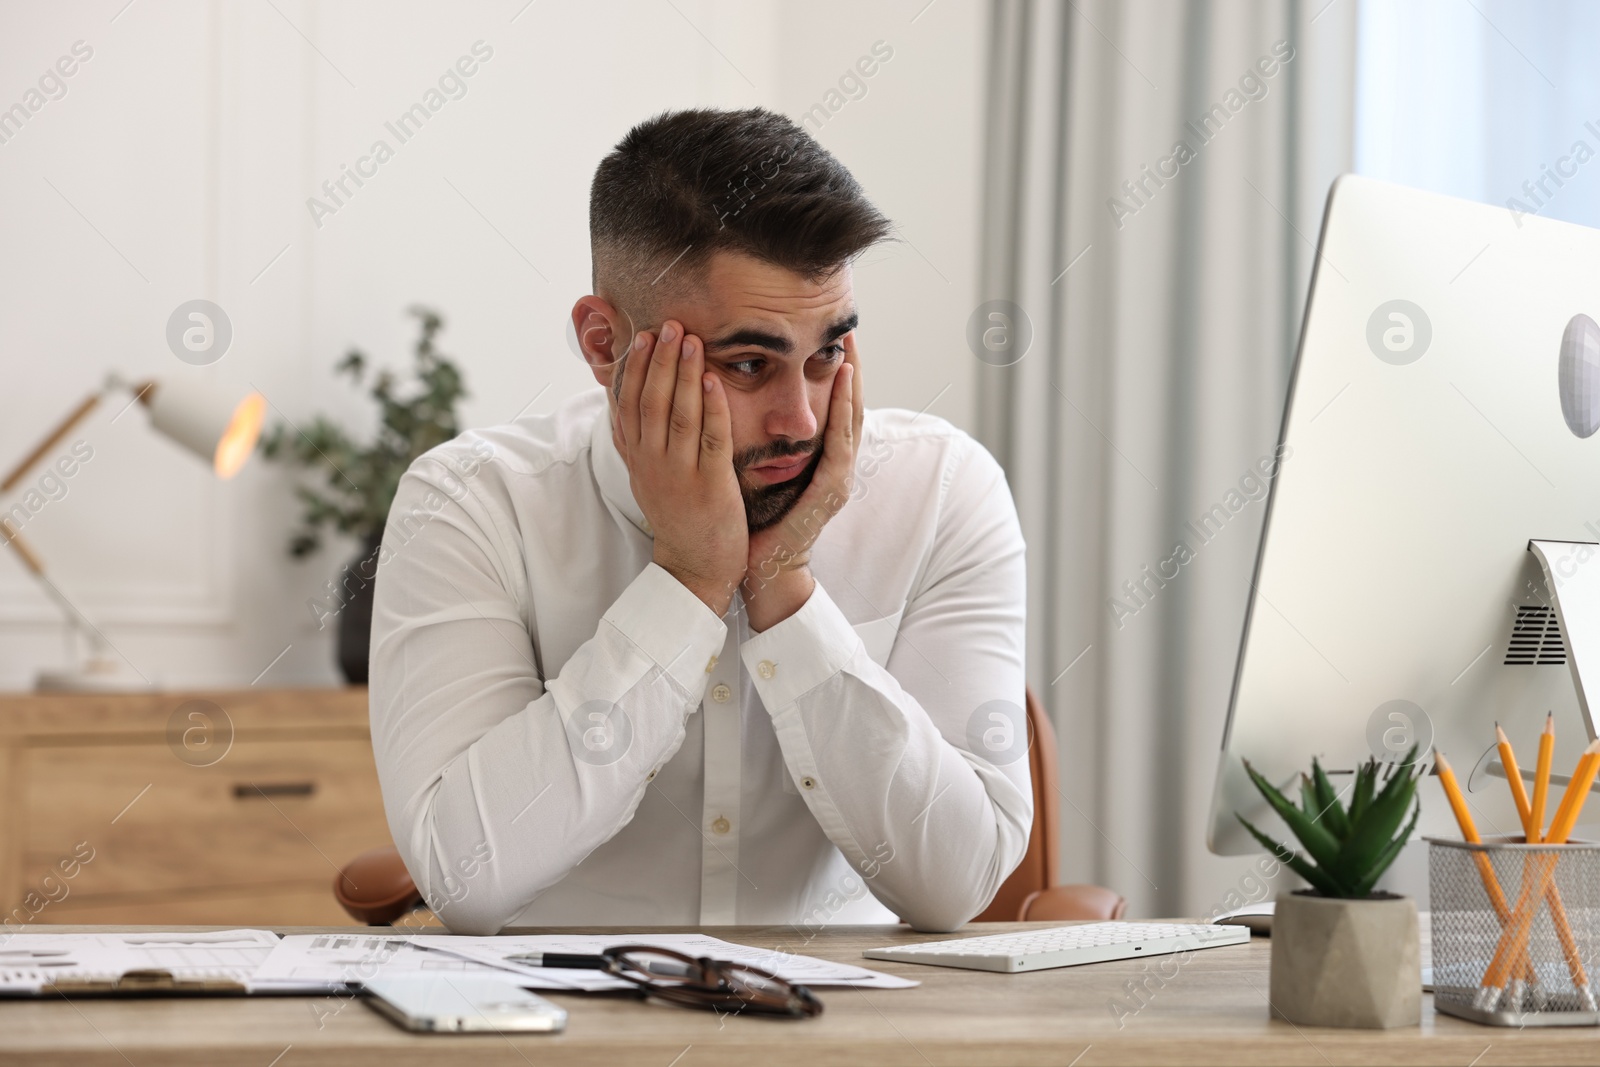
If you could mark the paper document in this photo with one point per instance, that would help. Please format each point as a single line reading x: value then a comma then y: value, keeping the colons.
x: 333, y: 960
x: 33, y: 960
x: 805, y: 970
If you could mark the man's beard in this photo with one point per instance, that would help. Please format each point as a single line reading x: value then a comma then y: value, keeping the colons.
x: 766, y: 505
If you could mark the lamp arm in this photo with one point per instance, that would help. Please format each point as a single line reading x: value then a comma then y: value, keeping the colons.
x: 9, y: 533
x: 34, y: 567
x: 76, y: 416
x: 89, y: 630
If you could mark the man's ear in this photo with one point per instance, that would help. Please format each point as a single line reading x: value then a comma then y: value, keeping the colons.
x: 604, y: 333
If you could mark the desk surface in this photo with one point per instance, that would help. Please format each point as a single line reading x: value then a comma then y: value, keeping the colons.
x: 1214, y: 1011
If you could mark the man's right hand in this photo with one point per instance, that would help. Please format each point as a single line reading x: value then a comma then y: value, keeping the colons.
x: 674, y: 432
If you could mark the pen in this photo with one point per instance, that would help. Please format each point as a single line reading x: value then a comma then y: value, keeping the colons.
x: 586, y: 962
x: 505, y: 964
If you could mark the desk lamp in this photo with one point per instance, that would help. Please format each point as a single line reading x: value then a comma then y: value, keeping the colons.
x: 194, y: 416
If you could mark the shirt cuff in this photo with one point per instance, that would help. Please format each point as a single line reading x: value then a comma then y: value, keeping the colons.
x: 670, y: 625
x: 791, y: 658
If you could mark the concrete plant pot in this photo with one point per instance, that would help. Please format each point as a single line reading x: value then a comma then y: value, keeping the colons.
x: 1346, y: 963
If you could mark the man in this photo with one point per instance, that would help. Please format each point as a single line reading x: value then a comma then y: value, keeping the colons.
x: 712, y: 644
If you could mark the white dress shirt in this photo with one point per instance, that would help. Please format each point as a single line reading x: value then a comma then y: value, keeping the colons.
x: 566, y: 735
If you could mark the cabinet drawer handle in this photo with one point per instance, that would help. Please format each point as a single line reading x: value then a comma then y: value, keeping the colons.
x: 250, y: 790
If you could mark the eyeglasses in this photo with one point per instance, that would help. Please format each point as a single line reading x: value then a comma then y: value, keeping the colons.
x: 692, y: 981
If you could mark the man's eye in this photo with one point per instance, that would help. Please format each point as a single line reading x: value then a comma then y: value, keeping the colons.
x: 749, y: 368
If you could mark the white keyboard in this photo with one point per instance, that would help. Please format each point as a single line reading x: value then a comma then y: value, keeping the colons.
x: 1064, y: 946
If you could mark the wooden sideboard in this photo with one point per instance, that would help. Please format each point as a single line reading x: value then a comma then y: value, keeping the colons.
x: 227, y: 806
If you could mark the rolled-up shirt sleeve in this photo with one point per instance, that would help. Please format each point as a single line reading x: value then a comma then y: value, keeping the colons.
x: 917, y: 771
x: 496, y: 781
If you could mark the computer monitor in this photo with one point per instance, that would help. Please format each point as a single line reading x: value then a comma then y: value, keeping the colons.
x: 1440, y: 417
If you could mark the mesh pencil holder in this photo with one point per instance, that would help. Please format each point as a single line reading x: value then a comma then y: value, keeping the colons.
x: 1516, y: 931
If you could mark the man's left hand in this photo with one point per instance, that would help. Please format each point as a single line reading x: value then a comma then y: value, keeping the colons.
x: 778, y: 580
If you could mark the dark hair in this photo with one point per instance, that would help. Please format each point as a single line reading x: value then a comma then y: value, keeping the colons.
x: 686, y: 184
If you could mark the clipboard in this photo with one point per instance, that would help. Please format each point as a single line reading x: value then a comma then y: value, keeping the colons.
x: 134, y: 963
x: 146, y: 981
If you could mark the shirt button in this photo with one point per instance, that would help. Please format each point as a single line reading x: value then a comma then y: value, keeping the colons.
x: 766, y: 668
x: 721, y: 825
x: 809, y: 782
x: 649, y: 776
x: 711, y: 664
x: 721, y: 693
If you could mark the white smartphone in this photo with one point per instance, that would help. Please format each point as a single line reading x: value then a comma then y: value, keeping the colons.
x: 461, y: 1003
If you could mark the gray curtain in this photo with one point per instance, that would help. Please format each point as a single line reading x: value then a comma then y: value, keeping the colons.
x: 1162, y: 287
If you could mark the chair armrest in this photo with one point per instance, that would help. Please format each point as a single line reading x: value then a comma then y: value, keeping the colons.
x: 375, y: 887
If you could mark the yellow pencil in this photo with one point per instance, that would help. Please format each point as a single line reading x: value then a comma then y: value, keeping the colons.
x: 1498, y: 969
x: 1458, y: 803
x: 1469, y: 833
x: 1577, y: 792
x: 1532, y: 816
x: 1519, y: 794
x: 1541, y: 777
x: 1513, y: 941
x: 1560, y: 829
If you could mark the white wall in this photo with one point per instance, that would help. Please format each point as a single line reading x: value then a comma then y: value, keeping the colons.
x: 178, y: 165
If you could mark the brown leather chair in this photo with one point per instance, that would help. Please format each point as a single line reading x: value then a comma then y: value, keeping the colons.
x: 375, y: 887
x: 1031, y: 893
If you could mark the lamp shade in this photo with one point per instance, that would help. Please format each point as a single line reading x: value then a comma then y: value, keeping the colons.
x: 211, y: 424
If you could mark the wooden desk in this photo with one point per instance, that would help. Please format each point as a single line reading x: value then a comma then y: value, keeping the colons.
x: 1213, y: 1012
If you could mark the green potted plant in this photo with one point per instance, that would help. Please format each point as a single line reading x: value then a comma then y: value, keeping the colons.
x: 358, y: 481
x: 1344, y: 954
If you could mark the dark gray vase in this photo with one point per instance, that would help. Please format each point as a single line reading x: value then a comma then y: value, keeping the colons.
x: 356, y: 585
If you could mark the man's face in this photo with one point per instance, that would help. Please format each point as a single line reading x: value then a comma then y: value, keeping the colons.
x: 776, y: 341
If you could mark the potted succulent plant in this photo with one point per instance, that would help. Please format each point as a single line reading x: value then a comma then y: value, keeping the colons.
x: 1344, y: 954
x: 359, y: 481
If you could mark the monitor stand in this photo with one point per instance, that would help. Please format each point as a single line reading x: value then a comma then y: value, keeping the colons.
x: 1572, y: 574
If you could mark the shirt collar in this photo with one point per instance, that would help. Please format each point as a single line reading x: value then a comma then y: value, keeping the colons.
x: 612, y: 473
